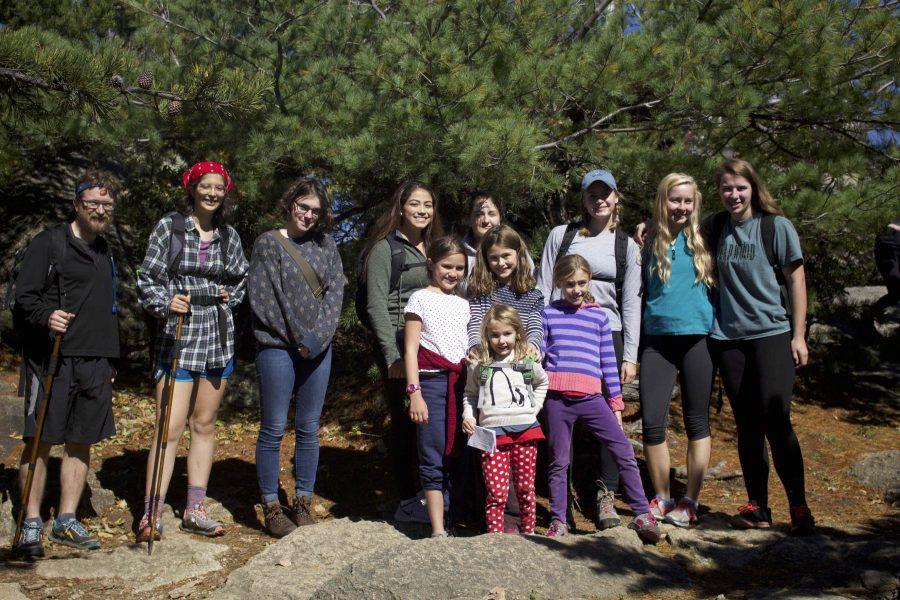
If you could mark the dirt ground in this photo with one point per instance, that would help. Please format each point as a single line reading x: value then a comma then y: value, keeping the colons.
x: 834, y: 424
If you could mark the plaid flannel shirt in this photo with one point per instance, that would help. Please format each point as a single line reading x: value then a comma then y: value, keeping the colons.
x: 201, y: 348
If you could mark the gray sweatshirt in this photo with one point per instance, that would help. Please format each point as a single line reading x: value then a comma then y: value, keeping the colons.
x: 599, y: 250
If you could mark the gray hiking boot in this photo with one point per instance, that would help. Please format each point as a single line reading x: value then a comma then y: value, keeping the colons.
x: 606, y: 509
x: 31, y: 544
x: 196, y: 520
x: 72, y: 533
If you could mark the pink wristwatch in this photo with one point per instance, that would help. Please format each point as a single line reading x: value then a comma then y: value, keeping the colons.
x: 412, y: 388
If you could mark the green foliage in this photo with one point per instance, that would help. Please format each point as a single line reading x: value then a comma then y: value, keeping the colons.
x: 520, y: 98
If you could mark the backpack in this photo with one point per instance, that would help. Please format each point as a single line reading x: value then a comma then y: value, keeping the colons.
x: 767, y: 224
x: 398, y: 267
x: 57, y: 256
x: 525, y: 367
x: 621, y: 257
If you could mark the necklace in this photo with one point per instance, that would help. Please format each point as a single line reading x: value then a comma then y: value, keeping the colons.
x: 673, y: 250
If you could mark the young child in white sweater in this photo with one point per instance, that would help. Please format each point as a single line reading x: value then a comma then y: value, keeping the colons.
x: 508, y: 390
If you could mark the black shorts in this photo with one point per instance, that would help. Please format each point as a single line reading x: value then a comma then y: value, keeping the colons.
x: 80, y: 409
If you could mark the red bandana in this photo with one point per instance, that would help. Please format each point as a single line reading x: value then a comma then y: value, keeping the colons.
x: 193, y: 175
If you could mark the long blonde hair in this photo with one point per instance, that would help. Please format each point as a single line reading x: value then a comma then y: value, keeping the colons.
x: 761, y: 200
x: 567, y: 267
x: 703, y: 262
x: 482, y: 281
x: 507, y: 315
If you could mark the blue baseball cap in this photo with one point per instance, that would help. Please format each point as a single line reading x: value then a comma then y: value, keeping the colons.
x: 598, y: 175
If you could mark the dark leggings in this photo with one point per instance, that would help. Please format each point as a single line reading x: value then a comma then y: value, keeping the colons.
x: 759, y: 379
x: 661, y: 358
x: 401, y: 440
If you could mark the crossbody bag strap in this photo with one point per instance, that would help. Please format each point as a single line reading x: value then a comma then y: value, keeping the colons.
x: 312, y: 279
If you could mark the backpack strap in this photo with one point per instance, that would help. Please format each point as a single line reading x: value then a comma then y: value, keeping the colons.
x: 176, y: 243
x: 568, y: 236
x: 398, y: 262
x: 767, y: 233
x: 621, y: 256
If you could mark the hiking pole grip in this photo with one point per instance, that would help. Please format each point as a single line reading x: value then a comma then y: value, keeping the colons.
x: 163, y: 435
x: 36, y: 440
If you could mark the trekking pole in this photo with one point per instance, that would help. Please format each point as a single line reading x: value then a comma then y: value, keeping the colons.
x: 162, y: 435
x: 36, y: 440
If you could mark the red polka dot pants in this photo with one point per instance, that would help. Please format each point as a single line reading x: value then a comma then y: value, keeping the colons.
x: 518, y: 459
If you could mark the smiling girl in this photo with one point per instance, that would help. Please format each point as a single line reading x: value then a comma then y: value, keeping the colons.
x: 436, y: 319
x: 678, y: 275
x: 207, y: 284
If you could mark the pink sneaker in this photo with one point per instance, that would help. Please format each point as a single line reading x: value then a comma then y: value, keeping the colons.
x: 660, y: 506
x: 684, y: 514
x: 557, y: 529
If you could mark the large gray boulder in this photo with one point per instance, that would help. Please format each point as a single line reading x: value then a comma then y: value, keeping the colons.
x: 879, y: 470
x: 611, y: 565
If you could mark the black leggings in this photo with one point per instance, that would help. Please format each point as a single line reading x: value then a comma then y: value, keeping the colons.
x: 661, y: 358
x: 759, y: 379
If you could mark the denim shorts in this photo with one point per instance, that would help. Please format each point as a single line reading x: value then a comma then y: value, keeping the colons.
x: 185, y: 375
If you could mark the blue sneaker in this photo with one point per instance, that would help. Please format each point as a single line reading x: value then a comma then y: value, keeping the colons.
x: 31, y: 544
x: 72, y: 533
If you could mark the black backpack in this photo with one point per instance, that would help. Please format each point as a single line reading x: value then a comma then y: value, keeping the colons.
x: 398, y: 267
x: 57, y: 256
x: 767, y: 224
x: 621, y: 257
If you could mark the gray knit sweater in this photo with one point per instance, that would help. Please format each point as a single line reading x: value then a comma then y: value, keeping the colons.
x: 285, y: 312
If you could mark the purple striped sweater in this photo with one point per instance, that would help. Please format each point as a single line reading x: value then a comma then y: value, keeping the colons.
x: 578, y: 352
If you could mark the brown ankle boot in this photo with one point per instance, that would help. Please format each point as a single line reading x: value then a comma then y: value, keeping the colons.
x: 303, y: 511
x: 277, y: 523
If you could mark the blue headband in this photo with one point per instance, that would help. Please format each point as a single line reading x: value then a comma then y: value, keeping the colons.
x: 85, y: 185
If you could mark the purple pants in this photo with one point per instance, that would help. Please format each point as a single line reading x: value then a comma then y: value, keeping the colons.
x: 594, y: 413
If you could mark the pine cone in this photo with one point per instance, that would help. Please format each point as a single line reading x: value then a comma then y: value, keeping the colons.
x: 174, y: 108
x: 117, y: 82
x: 145, y: 81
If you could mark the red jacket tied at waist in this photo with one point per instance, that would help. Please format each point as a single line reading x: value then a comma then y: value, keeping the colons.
x: 456, y: 381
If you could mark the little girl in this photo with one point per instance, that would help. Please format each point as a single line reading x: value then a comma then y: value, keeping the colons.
x: 508, y: 388
x: 504, y: 274
x: 435, y: 342
x: 577, y: 332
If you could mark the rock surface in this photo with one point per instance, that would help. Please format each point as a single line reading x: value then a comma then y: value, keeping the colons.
x: 879, y: 470
x: 297, y: 565
x: 177, y: 557
x: 11, y: 591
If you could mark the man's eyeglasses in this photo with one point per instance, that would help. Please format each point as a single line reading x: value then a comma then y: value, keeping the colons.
x: 96, y: 205
x: 301, y: 209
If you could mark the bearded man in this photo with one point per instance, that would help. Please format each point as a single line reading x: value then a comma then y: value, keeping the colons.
x: 67, y: 287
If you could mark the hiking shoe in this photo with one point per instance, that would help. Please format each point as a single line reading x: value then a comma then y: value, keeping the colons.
x: 277, y: 523
x: 143, y: 532
x: 72, y: 533
x: 196, y: 520
x: 31, y: 543
x: 646, y: 527
x: 412, y: 510
x: 752, y: 516
x: 557, y: 529
x: 660, y: 507
x: 302, y: 511
x: 684, y: 514
x: 802, y: 522
x: 606, y: 509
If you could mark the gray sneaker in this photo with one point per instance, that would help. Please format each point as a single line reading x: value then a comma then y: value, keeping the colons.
x: 196, y: 520
x: 31, y: 544
x: 606, y: 509
x: 72, y: 533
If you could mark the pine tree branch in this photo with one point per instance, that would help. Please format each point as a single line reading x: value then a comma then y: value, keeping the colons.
x: 165, y: 19
x: 586, y: 26
x: 378, y: 10
x: 279, y: 61
x: 17, y: 75
x: 596, y: 124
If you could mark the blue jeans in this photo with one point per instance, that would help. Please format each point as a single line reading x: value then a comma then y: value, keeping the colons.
x: 281, y: 373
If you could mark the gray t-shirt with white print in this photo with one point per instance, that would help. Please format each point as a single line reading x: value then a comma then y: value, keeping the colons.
x: 747, y: 299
